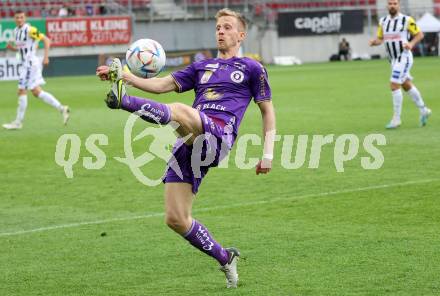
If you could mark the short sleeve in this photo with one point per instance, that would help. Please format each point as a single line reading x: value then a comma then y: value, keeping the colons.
x: 259, y: 84
x: 185, y: 79
x: 379, y: 33
x: 35, y: 34
x: 412, y: 27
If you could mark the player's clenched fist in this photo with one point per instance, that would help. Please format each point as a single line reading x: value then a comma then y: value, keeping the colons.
x: 102, y: 72
x: 263, y: 167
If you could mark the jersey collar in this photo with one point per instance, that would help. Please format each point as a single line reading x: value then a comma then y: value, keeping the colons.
x: 396, y: 16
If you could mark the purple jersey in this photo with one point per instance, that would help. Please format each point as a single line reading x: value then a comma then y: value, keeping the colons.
x: 224, y: 88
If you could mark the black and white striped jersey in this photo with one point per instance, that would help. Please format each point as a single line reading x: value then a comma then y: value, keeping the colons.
x: 395, y: 31
x: 26, y: 40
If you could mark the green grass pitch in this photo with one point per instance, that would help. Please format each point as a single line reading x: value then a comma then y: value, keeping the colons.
x: 301, y: 232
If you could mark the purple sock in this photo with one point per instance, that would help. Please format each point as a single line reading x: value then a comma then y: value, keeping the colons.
x: 199, y: 236
x: 150, y: 110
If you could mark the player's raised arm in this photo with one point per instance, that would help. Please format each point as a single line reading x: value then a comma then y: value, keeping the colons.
x: 155, y: 85
x: 269, y: 131
x: 151, y: 85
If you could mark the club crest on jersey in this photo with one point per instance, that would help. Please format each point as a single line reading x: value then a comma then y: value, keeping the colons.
x: 237, y: 76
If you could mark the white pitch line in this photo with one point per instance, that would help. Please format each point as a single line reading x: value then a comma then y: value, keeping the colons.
x: 252, y: 203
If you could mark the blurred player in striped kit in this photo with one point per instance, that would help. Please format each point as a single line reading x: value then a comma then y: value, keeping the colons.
x: 26, y: 40
x: 395, y: 30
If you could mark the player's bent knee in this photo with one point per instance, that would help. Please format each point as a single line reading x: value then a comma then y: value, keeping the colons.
x: 179, y: 111
x: 36, y: 92
x: 407, y: 85
x: 178, y: 223
x: 188, y: 118
x: 394, y: 86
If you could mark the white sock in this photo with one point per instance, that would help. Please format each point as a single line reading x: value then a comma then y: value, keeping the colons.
x: 21, y: 109
x: 51, y: 100
x: 397, y: 103
x: 417, y: 98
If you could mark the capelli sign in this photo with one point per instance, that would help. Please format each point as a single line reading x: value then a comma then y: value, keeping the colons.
x: 330, y: 23
x: 319, y: 23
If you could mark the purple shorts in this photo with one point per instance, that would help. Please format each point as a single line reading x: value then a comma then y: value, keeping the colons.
x: 190, y: 163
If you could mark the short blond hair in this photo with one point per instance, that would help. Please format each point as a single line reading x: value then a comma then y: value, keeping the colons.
x: 228, y: 12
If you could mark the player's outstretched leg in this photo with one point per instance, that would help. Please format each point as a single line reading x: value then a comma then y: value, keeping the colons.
x: 118, y: 98
x: 425, y: 112
x: 21, y: 109
x: 149, y: 110
x: 178, y: 204
x: 49, y: 99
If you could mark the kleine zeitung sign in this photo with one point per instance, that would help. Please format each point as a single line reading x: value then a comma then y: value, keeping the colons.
x: 89, y: 31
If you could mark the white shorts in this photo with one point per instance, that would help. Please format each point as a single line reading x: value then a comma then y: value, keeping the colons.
x: 31, y: 75
x: 400, y: 68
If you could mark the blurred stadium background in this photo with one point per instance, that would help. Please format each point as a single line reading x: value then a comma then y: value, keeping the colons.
x: 303, y: 232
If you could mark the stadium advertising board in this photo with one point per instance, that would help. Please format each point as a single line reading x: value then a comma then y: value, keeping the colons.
x: 7, y: 30
x: 320, y: 23
x: 89, y: 31
x: 10, y: 68
x: 178, y: 59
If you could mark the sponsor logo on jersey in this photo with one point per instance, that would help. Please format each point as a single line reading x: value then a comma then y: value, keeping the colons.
x: 210, y: 94
x: 213, y: 107
x: 206, y: 76
x: 212, y: 66
x: 391, y: 37
x: 239, y: 66
x: 237, y: 76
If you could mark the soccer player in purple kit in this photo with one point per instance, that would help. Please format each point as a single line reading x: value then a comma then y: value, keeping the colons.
x: 224, y: 87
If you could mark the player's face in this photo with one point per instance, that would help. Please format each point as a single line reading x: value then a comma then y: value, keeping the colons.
x: 228, y: 33
x: 393, y: 6
x: 20, y: 19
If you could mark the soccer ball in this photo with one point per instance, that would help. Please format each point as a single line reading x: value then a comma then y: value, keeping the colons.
x: 145, y: 58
